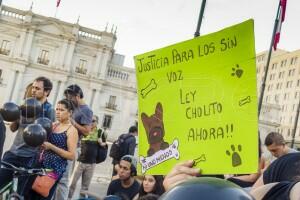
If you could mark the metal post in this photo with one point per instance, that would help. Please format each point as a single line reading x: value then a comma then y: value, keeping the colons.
x: 268, y: 62
x: 197, y: 33
x: 295, y: 124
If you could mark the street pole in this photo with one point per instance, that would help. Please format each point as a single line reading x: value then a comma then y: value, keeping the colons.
x: 197, y: 33
x: 295, y: 124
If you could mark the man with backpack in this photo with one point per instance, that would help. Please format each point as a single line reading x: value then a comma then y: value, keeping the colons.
x: 88, y: 158
x: 124, y: 145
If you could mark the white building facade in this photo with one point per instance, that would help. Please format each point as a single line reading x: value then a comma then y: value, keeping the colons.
x: 282, y: 88
x: 32, y: 45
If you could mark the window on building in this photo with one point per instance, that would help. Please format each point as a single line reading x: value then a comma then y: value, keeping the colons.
x: 283, y: 63
x: 293, y: 60
x: 274, y: 66
x: 270, y: 87
x: 289, y: 84
x: 111, y: 102
x: 107, y: 121
x: 276, y: 97
x: 44, y: 57
x: 294, y: 105
x: 82, y: 67
x: 4, y: 49
x: 281, y: 75
x: 291, y: 72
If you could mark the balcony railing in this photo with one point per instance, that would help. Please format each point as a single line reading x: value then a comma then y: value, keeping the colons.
x: 111, y: 106
x: 43, y: 61
x: 80, y: 70
x: 4, y: 52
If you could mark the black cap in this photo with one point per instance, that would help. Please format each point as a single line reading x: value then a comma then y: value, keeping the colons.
x: 74, y: 90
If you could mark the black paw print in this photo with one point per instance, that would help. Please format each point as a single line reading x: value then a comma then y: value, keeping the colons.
x: 237, y: 71
x: 236, y: 158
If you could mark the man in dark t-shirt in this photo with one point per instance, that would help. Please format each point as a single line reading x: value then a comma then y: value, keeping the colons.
x: 125, y: 186
x: 282, y: 175
x: 285, y: 168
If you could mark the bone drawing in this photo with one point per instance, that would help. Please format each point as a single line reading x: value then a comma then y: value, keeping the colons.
x: 151, y: 86
x: 161, y: 156
x: 244, y: 101
x: 202, y: 158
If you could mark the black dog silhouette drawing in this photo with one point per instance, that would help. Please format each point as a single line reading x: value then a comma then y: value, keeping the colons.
x: 155, y: 131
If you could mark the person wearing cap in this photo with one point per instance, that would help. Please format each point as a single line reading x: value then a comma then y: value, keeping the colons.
x: 82, y: 115
x: 125, y: 186
x: 82, y: 120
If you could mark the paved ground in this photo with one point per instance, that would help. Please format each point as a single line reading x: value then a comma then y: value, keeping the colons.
x: 100, y: 179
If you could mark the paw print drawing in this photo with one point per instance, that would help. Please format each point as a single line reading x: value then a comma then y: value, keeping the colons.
x: 236, y: 158
x: 237, y: 71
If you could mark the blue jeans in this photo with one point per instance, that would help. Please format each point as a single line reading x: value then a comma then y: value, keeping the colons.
x: 63, y: 184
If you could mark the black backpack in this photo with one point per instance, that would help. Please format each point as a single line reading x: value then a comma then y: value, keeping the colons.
x: 119, y: 147
x: 101, y: 151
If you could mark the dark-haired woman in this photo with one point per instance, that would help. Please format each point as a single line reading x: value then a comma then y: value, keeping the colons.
x: 151, y: 184
x: 60, y: 147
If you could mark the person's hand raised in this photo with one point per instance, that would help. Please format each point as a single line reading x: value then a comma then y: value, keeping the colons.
x: 180, y: 173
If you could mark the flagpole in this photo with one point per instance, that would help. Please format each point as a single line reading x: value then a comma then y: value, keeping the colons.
x: 295, y: 125
x: 55, y: 12
x: 197, y: 33
x: 268, y: 61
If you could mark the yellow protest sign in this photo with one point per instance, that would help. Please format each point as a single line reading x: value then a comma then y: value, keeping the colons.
x: 197, y: 100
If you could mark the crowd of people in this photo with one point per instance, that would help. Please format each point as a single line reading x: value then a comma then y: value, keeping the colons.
x: 71, y: 150
x: 73, y: 125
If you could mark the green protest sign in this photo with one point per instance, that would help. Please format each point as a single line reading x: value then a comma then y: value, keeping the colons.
x: 197, y: 100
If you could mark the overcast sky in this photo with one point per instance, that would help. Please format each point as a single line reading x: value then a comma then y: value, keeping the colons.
x: 145, y: 25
